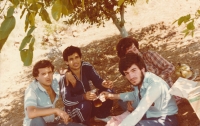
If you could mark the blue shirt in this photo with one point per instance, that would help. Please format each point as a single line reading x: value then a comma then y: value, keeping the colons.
x: 154, y: 90
x: 36, y: 95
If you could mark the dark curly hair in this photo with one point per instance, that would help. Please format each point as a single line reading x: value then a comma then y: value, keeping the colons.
x: 41, y: 64
x: 71, y: 50
x: 125, y: 43
x: 130, y: 59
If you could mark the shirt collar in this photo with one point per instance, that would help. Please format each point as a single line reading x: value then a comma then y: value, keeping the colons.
x: 53, y: 85
x: 40, y: 86
x: 144, y: 83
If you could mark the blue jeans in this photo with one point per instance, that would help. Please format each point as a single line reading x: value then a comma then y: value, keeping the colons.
x: 39, y: 121
x: 160, y: 121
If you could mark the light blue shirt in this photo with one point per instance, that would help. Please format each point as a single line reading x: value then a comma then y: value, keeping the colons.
x: 153, y: 90
x: 36, y: 95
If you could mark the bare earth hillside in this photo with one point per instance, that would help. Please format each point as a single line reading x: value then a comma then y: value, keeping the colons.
x: 151, y: 24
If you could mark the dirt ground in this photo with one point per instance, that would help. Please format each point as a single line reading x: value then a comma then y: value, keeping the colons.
x: 150, y: 24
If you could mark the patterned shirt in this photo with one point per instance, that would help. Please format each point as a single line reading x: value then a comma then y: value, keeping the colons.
x: 155, y: 100
x: 36, y: 95
x: 156, y: 64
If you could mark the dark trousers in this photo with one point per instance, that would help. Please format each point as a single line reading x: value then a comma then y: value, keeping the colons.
x: 83, y: 114
x: 104, y: 110
x: 87, y: 110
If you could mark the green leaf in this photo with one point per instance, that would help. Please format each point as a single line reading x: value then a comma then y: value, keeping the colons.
x: 83, y: 5
x: 31, y: 30
x: 34, y: 7
x: 26, y: 21
x: 187, y: 18
x: 15, y: 2
x: 6, y: 27
x: 180, y: 20
x: 40, y: 5
x: 45, y: 15
x: 64, y: 10
x: 175, y: 21
x: 56, y: 10
x: 32, y: 19
x: 26, y: 56
x: 198, y: 11
x: 68, y: 5
x: 31, y: 45
x: 185, y: 31
x: 192, y: 33
x: 22, y: 13
x: 190, y: 26
x: 32, y: 1
x: 186, y: 34
x: 120, y: 2
x: 184, y: 19
x: 10, y: 11
x: 25, y: 41
x: 2, y: 42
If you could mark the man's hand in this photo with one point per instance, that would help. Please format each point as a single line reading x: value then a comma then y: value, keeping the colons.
x: 109, y: 95
x: 90, y: 95
x: 70, y: 78
x: 107, y: 84
x: 130, y: 106
x: 62, y: 71
x: 63, y: 115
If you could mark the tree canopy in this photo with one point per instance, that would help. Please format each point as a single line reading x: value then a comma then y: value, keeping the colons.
x: 78, y: 11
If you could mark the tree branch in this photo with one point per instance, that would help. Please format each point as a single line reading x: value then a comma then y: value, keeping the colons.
x: 122, y: 14
x: 3, y: 7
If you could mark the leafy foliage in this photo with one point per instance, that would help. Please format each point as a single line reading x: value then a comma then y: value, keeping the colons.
x: 79, y: 11
x: 98, y: 11
x: 188, y: 21
x: 7, y: 26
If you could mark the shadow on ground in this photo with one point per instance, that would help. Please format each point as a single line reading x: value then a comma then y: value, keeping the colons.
x: 102, y: 55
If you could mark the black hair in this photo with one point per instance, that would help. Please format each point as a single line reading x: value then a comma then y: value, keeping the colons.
x: 130, y: 59
x: 125, y: 43
x: 71, y: 50
x: 41, y: 64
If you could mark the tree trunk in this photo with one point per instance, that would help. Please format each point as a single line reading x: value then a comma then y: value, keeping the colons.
x: 120, y: 26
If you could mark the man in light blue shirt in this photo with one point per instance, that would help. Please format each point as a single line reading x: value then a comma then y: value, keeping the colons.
x: 41, y: 96
x: 152, y: 103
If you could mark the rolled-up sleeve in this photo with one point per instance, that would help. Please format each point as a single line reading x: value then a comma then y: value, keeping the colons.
x: 30, y: 98
x: 129, y: 96
x: 152, y: 93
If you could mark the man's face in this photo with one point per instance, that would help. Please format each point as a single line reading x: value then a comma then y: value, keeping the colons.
x: 132, y: 49
x: 135, y: 75
x: 74, y: 61
x: 45, y: 76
